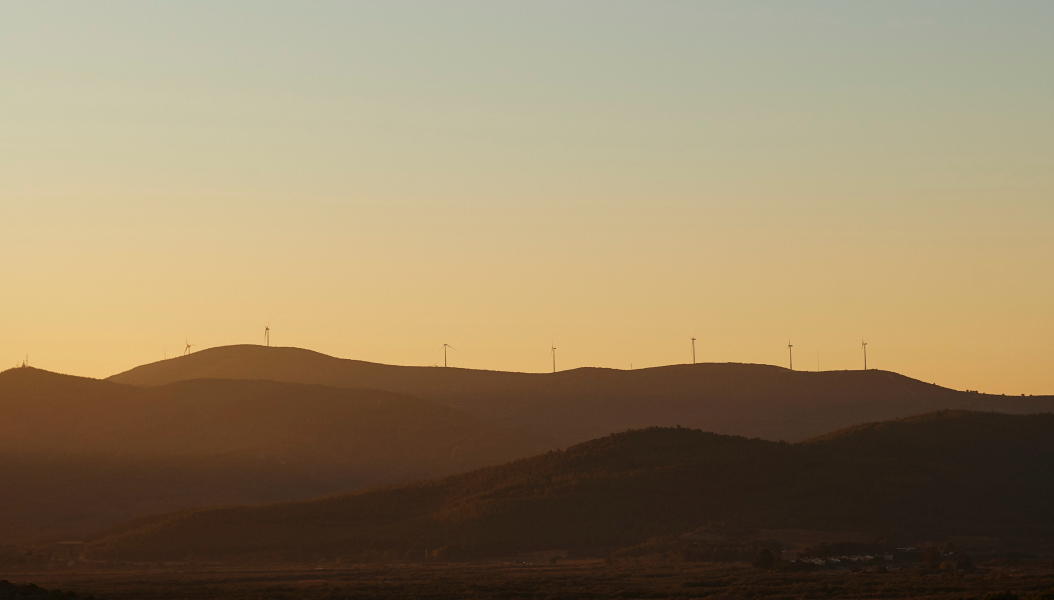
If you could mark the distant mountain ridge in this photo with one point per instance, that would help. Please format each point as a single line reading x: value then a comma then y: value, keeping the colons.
x: 253, y: 424
x: 952, y: 473
x: 77, y: 454
x: 581, y: 404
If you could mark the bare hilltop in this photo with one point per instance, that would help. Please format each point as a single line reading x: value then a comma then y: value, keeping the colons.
x: 252, y: 425
x: 79, y: 454
x: 951, y: 474
x: 573, y: 406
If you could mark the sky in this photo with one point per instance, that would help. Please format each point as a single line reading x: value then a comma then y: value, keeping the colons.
x: 377, y: 179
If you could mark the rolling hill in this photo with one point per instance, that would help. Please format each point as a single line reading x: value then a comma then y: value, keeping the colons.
x: 942, y: 474
x: 574, y: 406
x: 79, y: 454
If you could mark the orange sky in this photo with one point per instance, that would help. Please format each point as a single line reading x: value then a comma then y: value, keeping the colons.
x: 612, y: 177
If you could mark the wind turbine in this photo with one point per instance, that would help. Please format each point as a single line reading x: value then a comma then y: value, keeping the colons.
x: 186, y: 350
x: 863, y: 346
x: 552, y: 351
x: 267, y: 334
x: 445, y: 346
x: 693, y: 349
x: 790, y: 351
x: 817, y: 359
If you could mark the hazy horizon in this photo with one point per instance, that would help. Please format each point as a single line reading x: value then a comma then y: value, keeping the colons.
x: 376, y: 180
x: 439, y: 364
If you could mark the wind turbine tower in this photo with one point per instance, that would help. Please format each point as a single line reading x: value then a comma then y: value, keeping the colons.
x: 863, y: 345
x: 790, y: 351
x: 267, y: 334
x: 693, y: 350
x: 552, y: 351
x: 445, y: 346
x: 186, y: 350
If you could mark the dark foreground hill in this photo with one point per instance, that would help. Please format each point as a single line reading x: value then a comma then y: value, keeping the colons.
x: 582, y: 404
x: 80, y: 454
x: 942, y: 474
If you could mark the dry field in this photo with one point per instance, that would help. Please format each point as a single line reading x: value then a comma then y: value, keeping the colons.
x: 570, y: 579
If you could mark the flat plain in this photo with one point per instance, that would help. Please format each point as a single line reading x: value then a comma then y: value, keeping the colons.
x: 581, y: 579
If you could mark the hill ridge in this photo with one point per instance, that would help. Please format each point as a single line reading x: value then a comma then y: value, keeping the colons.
x: 79, y: 453
x: 579, y: 404
x: 626, y: 488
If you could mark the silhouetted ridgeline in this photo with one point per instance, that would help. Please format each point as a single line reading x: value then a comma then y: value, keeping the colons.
x: 78, y: 454
x: 582, y: 404
x: 937, y: 475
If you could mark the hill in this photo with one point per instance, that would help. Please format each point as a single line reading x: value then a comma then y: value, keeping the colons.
x: 577, y: 405
x: 80, y: 454
x: 942, y: 474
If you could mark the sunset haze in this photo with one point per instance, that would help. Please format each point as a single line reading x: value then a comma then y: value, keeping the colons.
x: 377, y: 179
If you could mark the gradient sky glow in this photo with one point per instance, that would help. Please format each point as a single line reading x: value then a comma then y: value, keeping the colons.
x: 381, y: 178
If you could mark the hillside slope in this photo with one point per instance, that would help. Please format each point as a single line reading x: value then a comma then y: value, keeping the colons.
x: 947, y: 473
x: 79, y: 454
x: 581, y: 404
